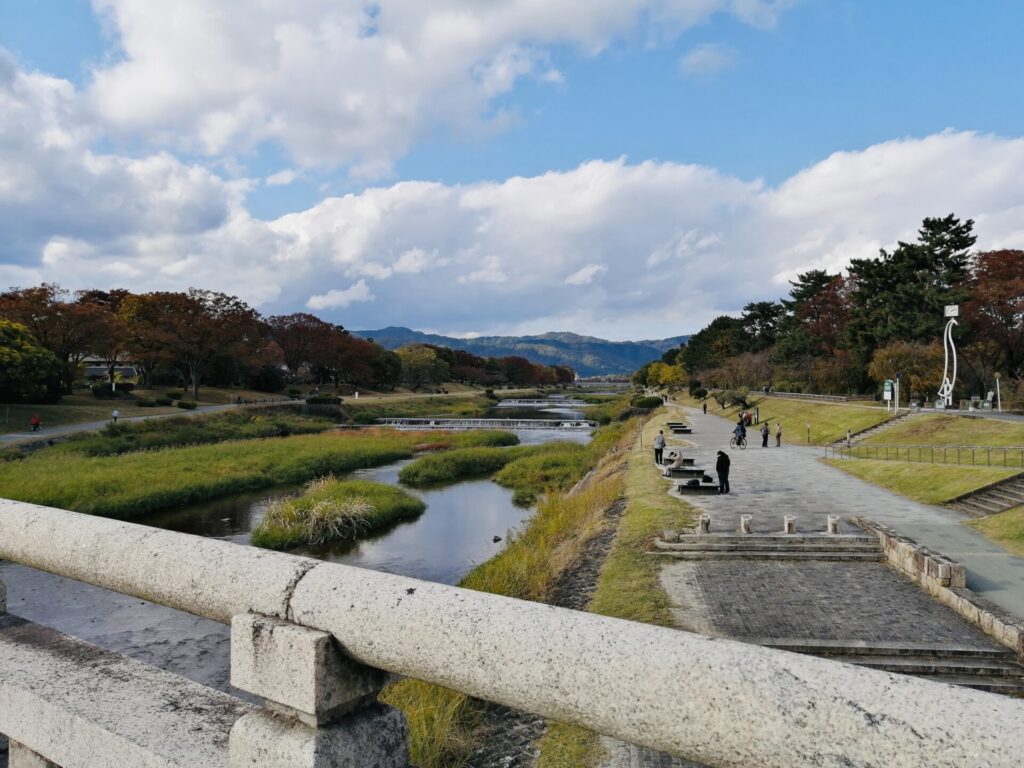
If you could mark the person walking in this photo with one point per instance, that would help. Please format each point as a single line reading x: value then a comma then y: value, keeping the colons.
x: 37, y: 423
x: 115, y: 415
x: 765, y: 431
x: 778, y: 434
x: 659, y: 446
x: 722, y: 468
x: 705, y: 407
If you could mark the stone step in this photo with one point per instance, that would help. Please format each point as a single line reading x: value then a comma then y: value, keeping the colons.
x: 746, y: 554
x: 937, y: 665
x: 706, y: 489
x: 781, y: 538
x: 974, y: 508
x: 760, y: 547
x: 1006, y: 686
x: 820, y: 647
x: 1005, y: 496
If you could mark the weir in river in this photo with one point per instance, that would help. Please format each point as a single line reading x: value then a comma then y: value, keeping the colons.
x: 574, y: 425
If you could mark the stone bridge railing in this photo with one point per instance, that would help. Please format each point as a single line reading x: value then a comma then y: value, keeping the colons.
x: 316, y: 640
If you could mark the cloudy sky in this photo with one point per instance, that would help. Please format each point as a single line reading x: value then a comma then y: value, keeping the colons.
x: 623, y: 168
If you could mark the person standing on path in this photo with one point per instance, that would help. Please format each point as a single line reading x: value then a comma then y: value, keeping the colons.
x: 37, y: 423
x: 659, y: 447
x: 722, y: 468
x: 778, y: 434
x: 765, y: 431
x: 705, y: 407
x: 115, y: 415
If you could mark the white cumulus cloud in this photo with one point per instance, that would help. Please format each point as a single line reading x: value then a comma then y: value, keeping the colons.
x: 707, y: 60
x: 335, y: 299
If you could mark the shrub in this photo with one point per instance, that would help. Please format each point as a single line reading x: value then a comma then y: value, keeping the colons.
x: 323, y: 400
x: 102, y: 391
x: 700, y: 393
x: 293, y: 392
x: 174, y: 395
x: 145, y: 402
x: 648, y: 403
x: 164, y: 401
x: 187, y: 405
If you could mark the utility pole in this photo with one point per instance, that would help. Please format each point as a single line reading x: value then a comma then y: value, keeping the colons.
x: 999, y: 397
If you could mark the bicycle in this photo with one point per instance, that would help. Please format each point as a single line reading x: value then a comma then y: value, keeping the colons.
x: 738, y: 442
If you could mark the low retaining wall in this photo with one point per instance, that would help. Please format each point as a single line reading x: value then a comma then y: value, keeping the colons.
x: 946, y: 580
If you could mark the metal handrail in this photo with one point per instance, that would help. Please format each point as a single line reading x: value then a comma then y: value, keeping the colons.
x: 715, y: 701
x: 969, y: 455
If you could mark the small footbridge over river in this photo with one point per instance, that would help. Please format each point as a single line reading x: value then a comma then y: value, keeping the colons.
x: 562, y: 425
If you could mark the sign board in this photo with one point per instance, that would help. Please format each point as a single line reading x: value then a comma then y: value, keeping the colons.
x: 887, y: 390
x: 952, y: 310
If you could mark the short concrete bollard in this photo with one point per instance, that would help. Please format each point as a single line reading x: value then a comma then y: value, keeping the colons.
x: 320, y: 705
x: 705, y: 524
x: 20, y: 756
x: 745, y: 523
x: 789, y: 524
x: 833, y: 523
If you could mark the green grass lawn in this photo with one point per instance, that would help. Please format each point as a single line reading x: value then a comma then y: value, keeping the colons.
x: 1006, y: 529
x: 828, y: 421
x: 927, y: 483
x: 939, y: 429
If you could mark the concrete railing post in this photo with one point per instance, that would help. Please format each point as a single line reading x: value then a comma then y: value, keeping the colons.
x: 789, y: 524
x: 745, y: 523
x: 705, y: 524
x: 20, y: 756
x: 833, y: 523
x: 321, y: 707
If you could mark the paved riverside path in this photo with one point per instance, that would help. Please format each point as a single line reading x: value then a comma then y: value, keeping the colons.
x: 770, y: 482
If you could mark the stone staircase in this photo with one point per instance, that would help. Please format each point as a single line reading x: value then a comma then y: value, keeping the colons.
x: 864, y: 434
x: 829, y: 547
x: 992, y: 499
x: 994, y: 669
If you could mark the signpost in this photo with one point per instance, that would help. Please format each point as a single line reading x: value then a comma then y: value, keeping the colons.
x: 887, y: 390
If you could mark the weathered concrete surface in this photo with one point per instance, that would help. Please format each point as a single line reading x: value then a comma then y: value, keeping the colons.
x: 84, y: 707
x: 764, y: 600
x: 299, y: 668
x: 373, y: 737
x: 21, y: 756
x: 172, y: 640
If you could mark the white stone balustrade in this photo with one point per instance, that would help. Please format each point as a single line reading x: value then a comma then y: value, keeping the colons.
x: 662, y: 688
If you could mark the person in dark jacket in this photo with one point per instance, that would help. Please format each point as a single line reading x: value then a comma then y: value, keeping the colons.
x: 765, y: 431
x: 722, y: 468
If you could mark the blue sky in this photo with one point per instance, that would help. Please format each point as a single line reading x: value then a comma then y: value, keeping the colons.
x: 759, y: 98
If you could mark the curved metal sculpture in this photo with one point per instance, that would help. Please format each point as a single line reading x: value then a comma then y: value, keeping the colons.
x: 948, y: 382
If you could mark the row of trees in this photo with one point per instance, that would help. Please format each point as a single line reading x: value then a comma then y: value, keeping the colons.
x: 839, y: 333
x: 46, y: 332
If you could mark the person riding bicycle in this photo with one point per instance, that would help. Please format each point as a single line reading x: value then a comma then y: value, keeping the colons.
x: 740, y: 431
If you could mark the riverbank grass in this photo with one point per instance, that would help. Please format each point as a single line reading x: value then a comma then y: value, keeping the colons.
x: 1005, y: 529
x: 926, y: 483
x: 940, y: 429
x: 442, y: 722
x: 333, y: 510
x: 629, y: 586
x: 828, y: 421
x: 134, y: 484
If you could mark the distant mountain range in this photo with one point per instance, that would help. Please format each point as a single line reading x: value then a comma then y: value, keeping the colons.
x: 587, y: 355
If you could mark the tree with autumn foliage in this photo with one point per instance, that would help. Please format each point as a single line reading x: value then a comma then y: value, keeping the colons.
x: 60, y: 321
x: 994, y: 312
